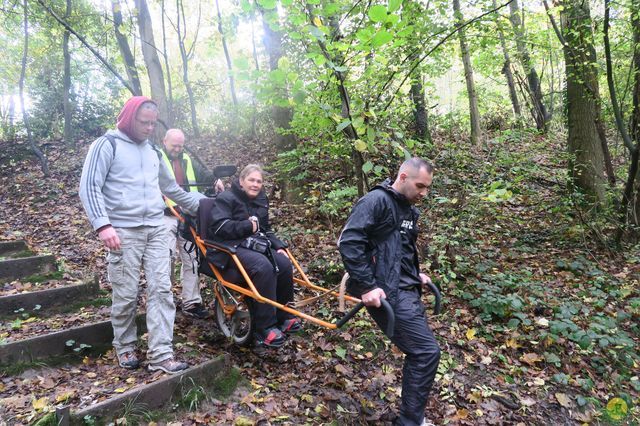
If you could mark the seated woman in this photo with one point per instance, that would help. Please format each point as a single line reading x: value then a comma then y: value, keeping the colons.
x: 236, y: 215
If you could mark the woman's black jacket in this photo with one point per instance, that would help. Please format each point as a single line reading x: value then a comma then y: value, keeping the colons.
x: 230, y: 224
x: 371, y: 243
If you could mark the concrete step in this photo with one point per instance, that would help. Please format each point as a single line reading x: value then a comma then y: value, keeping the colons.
x: 158, y: 393
x: 98, y: 335
x: 11, y: 248
x: 11, y: 269
x: 48, y: 298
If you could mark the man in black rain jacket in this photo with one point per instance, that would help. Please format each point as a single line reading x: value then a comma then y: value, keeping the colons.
x: 378, y: 248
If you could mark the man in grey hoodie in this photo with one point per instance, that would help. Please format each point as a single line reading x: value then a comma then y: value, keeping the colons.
x: 121, y: 189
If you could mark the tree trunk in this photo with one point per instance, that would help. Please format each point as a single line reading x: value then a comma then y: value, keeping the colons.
x: 227, y: 57
x: 125, y: 51
x: 66, y: 96
x: 281, y: 115
x: 629, y: 208
x: 540, y: 114
x: 635, y: 119
x: 152, y: 61
x: 254, y: 104
x: 165, y: 59
x: 474, y: 113
x: 506, y: 70
x: 182, y: 34
x: 25, y: 116
x: 11, y: 120
x: 420, y: 110
x: 586, y: 164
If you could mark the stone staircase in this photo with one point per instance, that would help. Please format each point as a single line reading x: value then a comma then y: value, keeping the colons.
x: 56, y: 359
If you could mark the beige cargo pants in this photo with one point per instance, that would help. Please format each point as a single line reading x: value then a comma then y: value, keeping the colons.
x: 146, y: 247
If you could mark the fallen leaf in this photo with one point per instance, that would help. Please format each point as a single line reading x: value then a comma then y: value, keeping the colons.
x: 47, y: 382
x: 65, y: 396
x: 564, y: 400
x: 342, y: 370
x: 471, y: 334
x: 512, y: 343
x: 461, y: 414
x: 40, y: 404
x: 475, y: 397
x: 542, y: 322
x: 530, y: 358
x: 586, y: 417
x: 528, y: 402
x: 243, y: 421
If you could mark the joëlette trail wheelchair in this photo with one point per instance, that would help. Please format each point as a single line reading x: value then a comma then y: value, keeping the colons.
x: 233, y: 303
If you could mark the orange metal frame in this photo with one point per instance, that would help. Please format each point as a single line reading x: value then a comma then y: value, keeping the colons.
x: 251, y: 291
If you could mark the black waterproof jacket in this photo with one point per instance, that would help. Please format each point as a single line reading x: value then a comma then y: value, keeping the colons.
x: 230, y: 222
x: 371, y: 243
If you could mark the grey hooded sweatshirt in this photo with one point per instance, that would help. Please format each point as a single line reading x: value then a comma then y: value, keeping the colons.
x: 125, y: 188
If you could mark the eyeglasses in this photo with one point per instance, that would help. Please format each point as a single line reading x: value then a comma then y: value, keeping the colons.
x: 147, y: 123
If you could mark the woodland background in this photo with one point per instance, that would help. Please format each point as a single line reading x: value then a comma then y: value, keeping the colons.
x: 530, y: 112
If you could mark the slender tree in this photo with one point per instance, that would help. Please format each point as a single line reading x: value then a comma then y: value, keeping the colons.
x: 281, y: 116
x: 632, y: 190
x: 540, y: 113
x: 506, y: 69
x: 44, y: 165
x: 420, y: 109
x: 474, y: 112
x: 66, y: 96
x: 125, y: 50
x: 227, y: 57
x: 152, y: 61
x: 411, y: 10
x: 256, y: 62
x: 185, y: 55
x: 165, y: 59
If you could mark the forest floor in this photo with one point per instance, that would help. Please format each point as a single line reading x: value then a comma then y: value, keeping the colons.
x: 540, y: 320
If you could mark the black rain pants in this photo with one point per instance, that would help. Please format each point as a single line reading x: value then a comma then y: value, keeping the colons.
x: 415, y: 339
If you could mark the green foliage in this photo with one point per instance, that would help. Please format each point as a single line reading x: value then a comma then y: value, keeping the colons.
x: 338, y: 202
x: 193, y: 397
x: 77, y: 347
x: 497, y: 297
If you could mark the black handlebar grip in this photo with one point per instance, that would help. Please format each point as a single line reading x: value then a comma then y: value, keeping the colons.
x: 391, y: 318
x: 436, y: 293
x: 349, y: 315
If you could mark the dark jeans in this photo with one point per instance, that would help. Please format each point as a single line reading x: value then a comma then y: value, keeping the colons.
x: 415, y: 339
x: 272, y: 285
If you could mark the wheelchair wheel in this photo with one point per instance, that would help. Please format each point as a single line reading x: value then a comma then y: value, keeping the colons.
x: 238, y: 325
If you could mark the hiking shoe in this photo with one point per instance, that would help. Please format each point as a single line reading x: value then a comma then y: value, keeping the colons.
x: 128, y: 360
x: 169, y: 365
x: 196, y: 311
x: 292, y: 325
x: 272, y: 338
